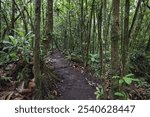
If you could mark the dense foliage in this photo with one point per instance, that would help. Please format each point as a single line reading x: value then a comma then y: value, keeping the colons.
x: 111, y: 39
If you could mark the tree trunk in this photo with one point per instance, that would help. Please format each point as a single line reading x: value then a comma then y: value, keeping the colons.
x: 104, y: 33
x: 115, y: 37
x: 125, y: 44
x: 36, y: 50
x: 100, y: 40
x: 99, y: 16
x: 148, y: 45
x: 89, y: 33
x: 134, y: 17
x: 43, y: 20
x: 81, y: 28
x: 13, y: 18
x: 0, y: 20
x: 71, y: 41
x: 122, y: 23
x: 49, y: 27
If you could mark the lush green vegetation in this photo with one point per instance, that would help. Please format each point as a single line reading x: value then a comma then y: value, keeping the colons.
x: 109, y: 37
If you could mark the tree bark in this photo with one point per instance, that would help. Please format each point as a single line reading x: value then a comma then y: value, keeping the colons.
x: 89, y: 33
x: 125, y: 38
x: 104, y: 33
x: 81, y: 27
x: 115, y: 37
x: 36, y: 50
x: 134, y: 17
x: 0, y: 20
x: 13, y: 18
x: 49, y: 27
x: 100, y: 36
x: 71, y: 41
x: 148, y: 45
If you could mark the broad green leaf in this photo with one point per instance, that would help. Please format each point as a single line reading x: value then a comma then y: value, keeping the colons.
x: 129, y: 75
x: 128, y: 80
x: 119, y: 94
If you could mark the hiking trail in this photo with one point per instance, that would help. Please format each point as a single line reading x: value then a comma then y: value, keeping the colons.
x: 74, y: 86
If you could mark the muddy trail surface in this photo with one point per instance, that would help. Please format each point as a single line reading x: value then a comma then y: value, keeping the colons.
x: 74, y: 86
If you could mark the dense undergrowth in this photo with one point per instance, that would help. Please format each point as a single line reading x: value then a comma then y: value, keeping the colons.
x: 134, y: 85
x: 16, y: 71
x: 17, y: 74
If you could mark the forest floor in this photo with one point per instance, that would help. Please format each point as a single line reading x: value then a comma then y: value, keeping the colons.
x: 70, y: 80
x: 74, y: 84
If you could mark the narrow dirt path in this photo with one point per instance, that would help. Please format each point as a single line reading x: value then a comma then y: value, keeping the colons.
x: 73, y: 86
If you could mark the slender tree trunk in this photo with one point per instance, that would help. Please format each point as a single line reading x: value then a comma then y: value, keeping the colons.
x: 13, y: 18
x: 71, y: 41
x: 122, y: 23
x: 104, y: 33
x: 134, y: 17
x: 49, y: 26
x: 115, y: 37
x: 148, y: 45
x: 51, y: 21
x: 0, y: 20
x: 147, y: 31
x: 43, y: 21
x: 36, y: 50
x: 125, y: 38
x: 99, y: 19
x: 138, y: 24
x: 100, y: 40
x: 81, y: 28
x: 94, y: 33
x: 89, y: 33
x: 31, y: 16
x: 31, y: 20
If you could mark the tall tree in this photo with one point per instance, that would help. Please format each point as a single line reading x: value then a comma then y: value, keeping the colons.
x: 134, y: 17
x: 36, y: 50
x: 99, y: 19
x: 88, y: 37
x: 115, y: 37
x: 125, y: 37
x: 104, y: 31
x: 70, y: 26
x: 0, y: 20
x: 148, y: 45
x: 81, y: 24
x: 49, y: 26
x: 13, y: 18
